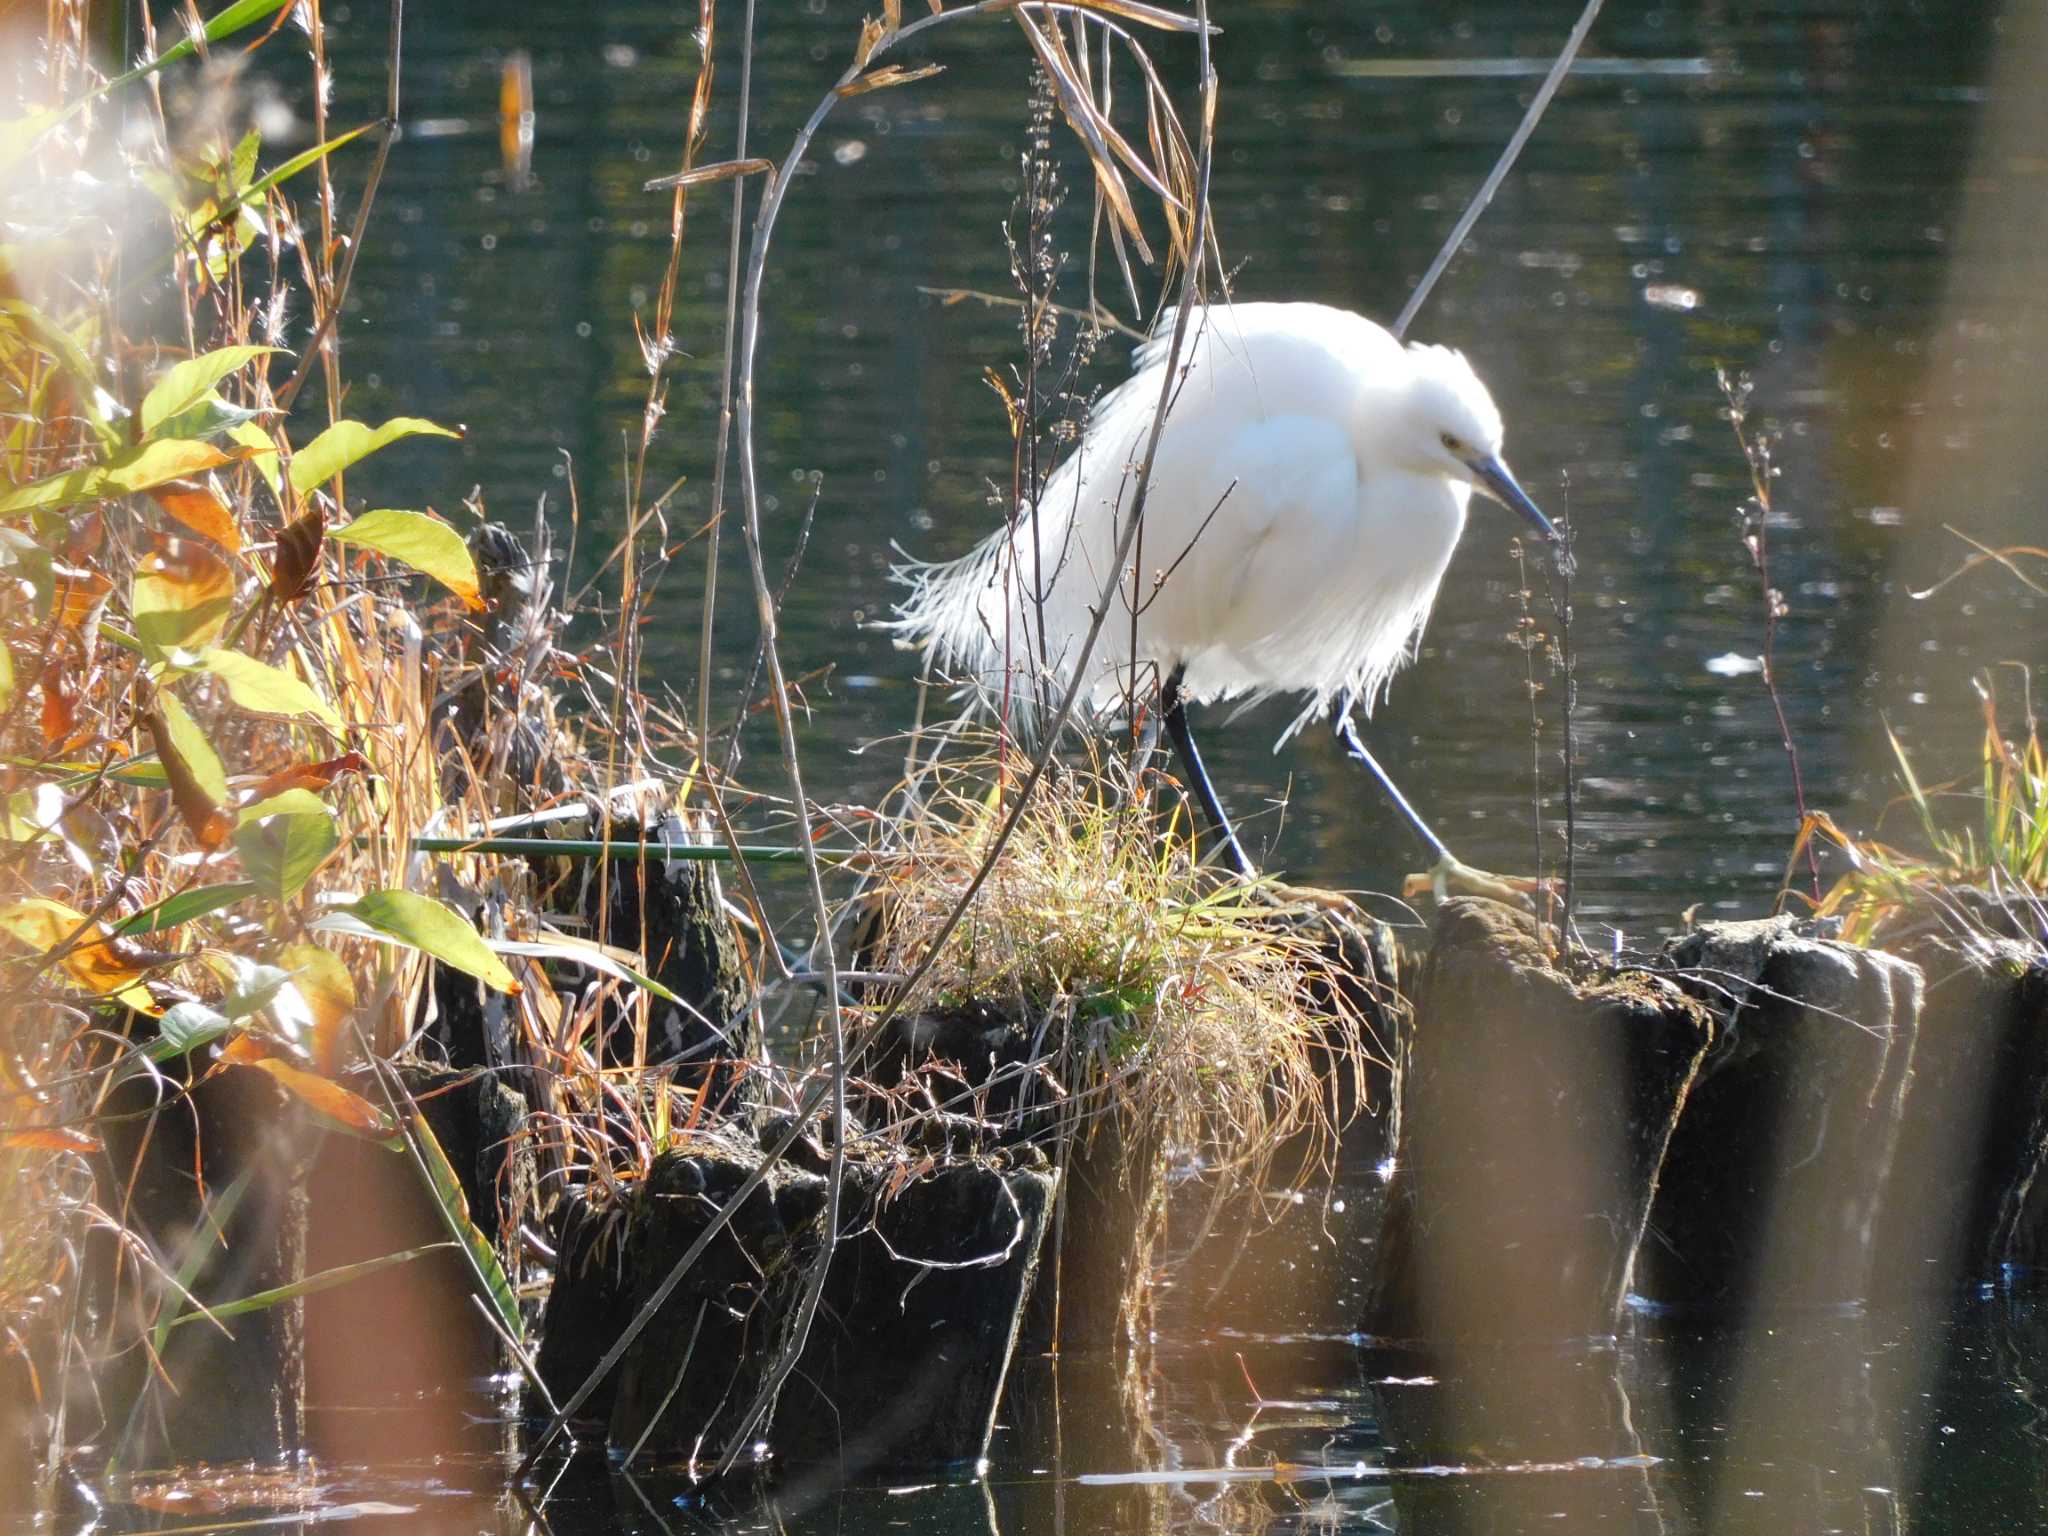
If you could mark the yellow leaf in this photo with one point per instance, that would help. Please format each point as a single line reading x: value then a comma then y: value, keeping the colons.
x: 191, y: 381
x: 344, y: 443
x: 43, y: 924
x: 423, y: 542
x: 262, y: 452
x: 323, y: 981
x: 267, y: 690
x: 139, y: 469
x: 199, y: 784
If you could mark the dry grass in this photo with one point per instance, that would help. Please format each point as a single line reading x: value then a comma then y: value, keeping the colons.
x: 1985, y: 869
x: 1168, y: 991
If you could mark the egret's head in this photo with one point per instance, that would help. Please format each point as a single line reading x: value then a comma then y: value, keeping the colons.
x: 1459, y: 429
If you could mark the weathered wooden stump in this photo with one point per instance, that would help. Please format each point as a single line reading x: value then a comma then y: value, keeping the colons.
x: 1973, y: 1142
x: 1535, y: 1110
x: 478, y: 1119
x: 915, y: 1334
x: 685, y: 1388
x: 673, y: 914
x: 1772, y: 1183
x: 906, y: 1358
x: 1095, y: 1284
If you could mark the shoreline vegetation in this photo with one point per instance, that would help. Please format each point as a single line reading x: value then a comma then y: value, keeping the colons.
x: 335, y: 880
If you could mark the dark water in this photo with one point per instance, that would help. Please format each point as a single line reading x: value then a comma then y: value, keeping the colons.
x: 1844, y: 199
x: 1831, y: 187
x: 1275, y: 1420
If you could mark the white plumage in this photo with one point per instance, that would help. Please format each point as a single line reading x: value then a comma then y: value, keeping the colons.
x: 1310, y: 486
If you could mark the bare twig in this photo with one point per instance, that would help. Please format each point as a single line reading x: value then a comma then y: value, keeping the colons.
x: 1756, y: 539
x: 1501, y: 167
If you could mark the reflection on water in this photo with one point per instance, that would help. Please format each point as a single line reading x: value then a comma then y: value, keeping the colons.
x: 1778, y: 189
x: 1295, y: 1429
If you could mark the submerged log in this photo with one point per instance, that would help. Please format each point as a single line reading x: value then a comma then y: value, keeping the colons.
x: 905, y: 1361
x: 1535, y: 1110
x: 1772, y: 1184
x: 1966, y: 1197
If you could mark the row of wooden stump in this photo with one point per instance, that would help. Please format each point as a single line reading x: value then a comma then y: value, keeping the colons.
x: 1759, y: 1118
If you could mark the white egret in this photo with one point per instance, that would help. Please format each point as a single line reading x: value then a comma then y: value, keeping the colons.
x: 1310, y: 486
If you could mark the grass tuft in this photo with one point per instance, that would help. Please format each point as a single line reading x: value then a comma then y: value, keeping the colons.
x: 1178, y: 995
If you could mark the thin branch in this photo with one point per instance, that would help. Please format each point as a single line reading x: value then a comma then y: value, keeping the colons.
x: 1501, y: 167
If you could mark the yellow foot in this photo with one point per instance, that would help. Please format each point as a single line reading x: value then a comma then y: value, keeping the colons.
x: 1452, y: 877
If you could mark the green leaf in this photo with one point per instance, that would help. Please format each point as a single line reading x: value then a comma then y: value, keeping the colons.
x: 252, y: 985
x: 280, y: 853
x: 31, y: 814
x: 583, y: 952
x: 344, y: 443
x: 210, y: 417
x: 266, y: 690
x: 263, y: 452
x: 185, y: 906
x: 454, y: 1209
x: 193, y: 746
x: 138, y: 469
x: 432, y: 927
x: 325, y: 1280
x: 184, y: 1028
x: 293, y: 166
x: 190, y: 382
x: 6, y: 675
x: 425, y: 543
x: 290, y: 802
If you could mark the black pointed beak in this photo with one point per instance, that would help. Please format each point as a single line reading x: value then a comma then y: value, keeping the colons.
x: 1492, y: 477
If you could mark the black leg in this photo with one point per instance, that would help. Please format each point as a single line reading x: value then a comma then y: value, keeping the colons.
x: 1173, y: 709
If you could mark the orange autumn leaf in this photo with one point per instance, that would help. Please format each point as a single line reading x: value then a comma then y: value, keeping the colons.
x: 310, y: 1088
x: 310, y: 776
x: 195, y: 504
x: 75, y: 594
x: 97, y: 964
x: 183, y: 596
x: 60, y: 711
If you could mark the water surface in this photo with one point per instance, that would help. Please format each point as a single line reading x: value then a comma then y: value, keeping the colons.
x: 1842, y: 200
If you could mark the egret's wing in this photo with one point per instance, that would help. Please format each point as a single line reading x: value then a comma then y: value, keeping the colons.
x: 1253, y: 543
